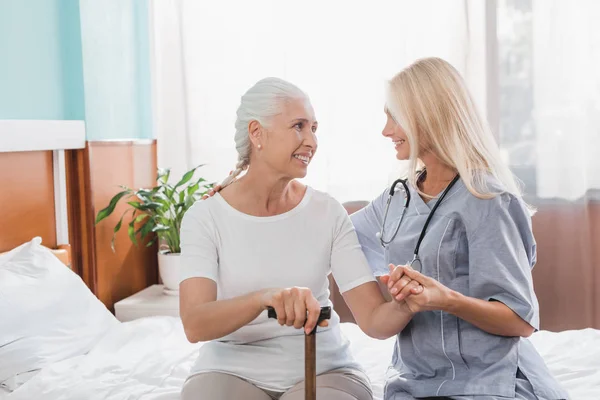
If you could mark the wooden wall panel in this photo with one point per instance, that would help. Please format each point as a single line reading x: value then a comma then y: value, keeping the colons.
x: 26, y: 198
x: 594, y: 221
x: 130, y: 269
x: 595, y: 263
x: 566, y: 275
x: 81, y: 215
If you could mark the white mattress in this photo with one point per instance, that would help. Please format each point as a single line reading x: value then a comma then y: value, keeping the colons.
x: 149, y: 359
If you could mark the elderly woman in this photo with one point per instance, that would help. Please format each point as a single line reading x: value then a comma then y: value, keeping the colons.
x: 267, y: 240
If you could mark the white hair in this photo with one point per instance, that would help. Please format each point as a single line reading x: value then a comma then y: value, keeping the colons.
x: 260, y: 103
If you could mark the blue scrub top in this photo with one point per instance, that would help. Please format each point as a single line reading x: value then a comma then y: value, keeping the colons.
x: 482, y: 248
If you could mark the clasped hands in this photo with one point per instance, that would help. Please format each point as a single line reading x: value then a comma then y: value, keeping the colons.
x: 414, y: 290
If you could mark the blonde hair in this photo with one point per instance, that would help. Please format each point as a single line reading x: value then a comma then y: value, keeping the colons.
x: 430, y: 101
x: 260, y: 103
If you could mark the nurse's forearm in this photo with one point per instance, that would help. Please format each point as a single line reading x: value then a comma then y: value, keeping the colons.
x: 491, y: 316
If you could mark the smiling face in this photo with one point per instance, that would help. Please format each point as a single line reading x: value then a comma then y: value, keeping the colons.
x: 394, y: 131
x: 289, y: 142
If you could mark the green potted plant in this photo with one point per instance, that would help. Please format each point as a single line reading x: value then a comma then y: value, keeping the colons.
x: 157, y: 213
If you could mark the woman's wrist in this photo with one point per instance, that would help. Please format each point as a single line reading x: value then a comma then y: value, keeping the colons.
x: 402, y: 308
x: 258, y: 300
x: 453, y: 302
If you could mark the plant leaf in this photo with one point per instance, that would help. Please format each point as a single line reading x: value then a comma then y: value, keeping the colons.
x: 163, y: 175
x: 140, y: 218
x: 144, y: 194
x: 135, y: 204
x: 118, y: 226
x: 145, y: 206
x: 186, y: 177
x: 169, y: 192
x: 146, y: 228
x: 160, y: 228
x: 151, y: 206
x: 163, y: 202
x: 116, y: 229
x: 131, y: 231
x: 193, y: 188
x: 105, y: 212
x: 149, y: 192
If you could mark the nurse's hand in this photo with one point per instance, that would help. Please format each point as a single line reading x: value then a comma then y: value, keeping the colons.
x: 211, y: 192
x: 214, y: 190
x: 399, y: 285
x: 432, y: 295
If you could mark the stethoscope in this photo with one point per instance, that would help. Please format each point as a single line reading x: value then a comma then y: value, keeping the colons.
x: 416, y: 262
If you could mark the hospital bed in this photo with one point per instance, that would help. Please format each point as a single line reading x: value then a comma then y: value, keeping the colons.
x: 90, y: 355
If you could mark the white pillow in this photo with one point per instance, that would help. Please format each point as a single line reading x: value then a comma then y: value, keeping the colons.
x: 47, y: 313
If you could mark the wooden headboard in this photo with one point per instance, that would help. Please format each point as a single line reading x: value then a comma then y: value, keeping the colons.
x: 27, y: 198
x: 32, y: 178
x: 53, y: 181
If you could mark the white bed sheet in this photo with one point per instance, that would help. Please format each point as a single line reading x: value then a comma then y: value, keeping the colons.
x: 149, y: 359
x: 573, y: 357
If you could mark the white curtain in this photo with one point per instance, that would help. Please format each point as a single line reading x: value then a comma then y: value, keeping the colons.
x: 550, y: 95
x: 566, y: 71
x: 207, y: 54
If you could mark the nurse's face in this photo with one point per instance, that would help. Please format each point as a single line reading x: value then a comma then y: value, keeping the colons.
x: 393, y: 131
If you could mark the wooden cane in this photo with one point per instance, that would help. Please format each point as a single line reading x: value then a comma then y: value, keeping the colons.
x: 310, y: 354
